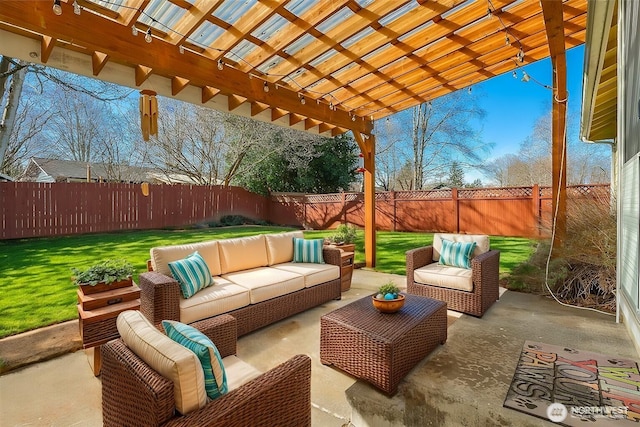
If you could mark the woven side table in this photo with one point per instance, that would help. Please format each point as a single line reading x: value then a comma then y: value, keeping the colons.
x: 382, y: 348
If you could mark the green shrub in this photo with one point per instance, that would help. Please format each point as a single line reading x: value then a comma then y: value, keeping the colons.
x: 107, y: 271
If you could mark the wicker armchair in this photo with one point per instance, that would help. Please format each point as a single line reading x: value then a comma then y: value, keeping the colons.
x: 133, y: 394
x: 484, y: 276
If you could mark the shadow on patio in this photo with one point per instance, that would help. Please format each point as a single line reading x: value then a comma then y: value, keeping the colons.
x: 463, y: 382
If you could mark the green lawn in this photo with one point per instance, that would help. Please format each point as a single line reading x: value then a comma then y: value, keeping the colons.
x: 36, y: 273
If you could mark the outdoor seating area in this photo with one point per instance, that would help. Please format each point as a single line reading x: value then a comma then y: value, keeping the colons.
x: 461, y: 382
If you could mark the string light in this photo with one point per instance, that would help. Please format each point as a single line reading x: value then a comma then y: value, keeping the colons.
x: 489, y: 13
x: 302, y: 100
x: 57, y: 9
x: 507, y: 42
x: 266, y: 87
x: 520, y: 55
x: 525, y: 76
x: 515, y: 75
x: 149, y: 38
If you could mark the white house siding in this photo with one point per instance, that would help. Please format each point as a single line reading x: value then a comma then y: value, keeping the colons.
x: 629, y: 191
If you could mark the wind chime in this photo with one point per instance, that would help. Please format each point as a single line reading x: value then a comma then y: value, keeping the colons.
x: 148, y: 113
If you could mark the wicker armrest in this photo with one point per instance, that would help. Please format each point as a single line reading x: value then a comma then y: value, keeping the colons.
x: 159, y: 297
x: 222, y: 330
x: 279, y: 397
x: 133, y: 393
x: 485, y: 269
x: 416, y: 258
x: 332, y: 255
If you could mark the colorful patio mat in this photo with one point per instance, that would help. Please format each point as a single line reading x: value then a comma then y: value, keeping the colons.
x: 571, y: 387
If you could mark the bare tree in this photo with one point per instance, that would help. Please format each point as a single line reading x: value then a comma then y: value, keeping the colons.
x: 189, y: 142
x: 586, y: 163
x: 435, y: 134
x: 19, y: 139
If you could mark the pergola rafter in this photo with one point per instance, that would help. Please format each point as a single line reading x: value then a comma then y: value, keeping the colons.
x: 321, y: 66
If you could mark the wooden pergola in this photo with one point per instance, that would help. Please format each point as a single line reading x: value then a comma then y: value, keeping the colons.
x: 322, y: 66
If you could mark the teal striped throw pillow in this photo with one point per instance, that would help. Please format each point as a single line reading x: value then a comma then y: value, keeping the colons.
x: 215, y: 377
x: 191, y: 273
x: 308, y: 250
x: 456, y: 254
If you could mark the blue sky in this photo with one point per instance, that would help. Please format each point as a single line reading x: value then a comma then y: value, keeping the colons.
x: 514, y: 106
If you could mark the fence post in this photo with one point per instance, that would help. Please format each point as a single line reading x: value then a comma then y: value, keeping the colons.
x: 537, y: 208
x: 343, y: 210
x: 456, y: 208
x: 393, y: 204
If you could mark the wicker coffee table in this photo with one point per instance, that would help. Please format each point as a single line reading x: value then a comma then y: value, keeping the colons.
x: 382, y: 348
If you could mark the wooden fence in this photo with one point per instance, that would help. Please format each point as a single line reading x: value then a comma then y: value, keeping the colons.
x: 513, y: 211
x: 30, y: 209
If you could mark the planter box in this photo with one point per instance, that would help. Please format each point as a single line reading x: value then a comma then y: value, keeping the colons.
x: 103, y: 287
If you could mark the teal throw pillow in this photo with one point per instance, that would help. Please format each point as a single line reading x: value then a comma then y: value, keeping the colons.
x: 308, y: 250
x: 215, y: 378
x: 456, y: 254
x: 191, y: 273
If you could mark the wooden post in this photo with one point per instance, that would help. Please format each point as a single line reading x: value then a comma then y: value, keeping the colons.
x: 559, y: 156
x: 367, y: 146
x: 554, y: 26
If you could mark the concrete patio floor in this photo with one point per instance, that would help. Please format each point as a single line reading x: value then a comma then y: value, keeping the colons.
x: 463, y: 382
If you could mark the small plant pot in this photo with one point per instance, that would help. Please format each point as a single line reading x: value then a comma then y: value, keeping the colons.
x: 103, y: 287
x: 388, y: 305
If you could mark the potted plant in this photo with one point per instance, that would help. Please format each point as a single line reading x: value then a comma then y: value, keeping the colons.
x: 388, y: 299
x: 344, y: 237
x: 103, y: 276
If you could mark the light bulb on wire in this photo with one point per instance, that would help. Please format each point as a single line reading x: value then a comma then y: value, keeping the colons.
x: 134, y: 31
x: 266, y: 87
x: 57, y: 9
x: 76, y: 7
x: 525, y: 76
x: 147, y: 37
x: 220, y: 65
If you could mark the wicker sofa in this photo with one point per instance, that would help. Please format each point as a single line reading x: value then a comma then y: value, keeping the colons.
x: 470, y: 291
x: 255, y: 281
x: 134, y: 394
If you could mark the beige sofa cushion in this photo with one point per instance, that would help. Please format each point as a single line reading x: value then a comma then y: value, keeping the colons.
x: 161, y: 256
x: 167, y: 357
x: 238, y: 372
x: 313, y: 273
x: 221, y: 297
x: 280, y: 246
x: 242, y: 253
x: 482, y: 242
x: 266, y: 282
x: 445, y: 276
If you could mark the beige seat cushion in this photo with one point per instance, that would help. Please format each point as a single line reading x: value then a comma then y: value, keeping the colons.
x: 482, y: 243
x: 238, y: 372
x: 221, y: 297
x: 242, y: 253
x: 445, y: 276
x: 280, y: 246
x: 266, y: 282
x: 313, y: 273
x: 161, y: 256
x: 167, y: 357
